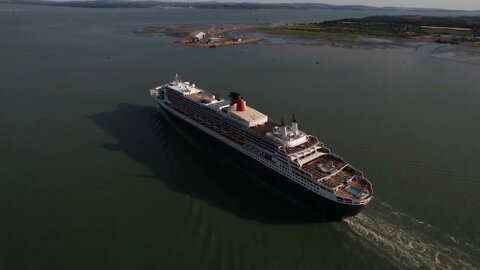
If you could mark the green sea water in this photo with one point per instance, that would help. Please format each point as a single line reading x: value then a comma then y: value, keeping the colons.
x: 91, y: 178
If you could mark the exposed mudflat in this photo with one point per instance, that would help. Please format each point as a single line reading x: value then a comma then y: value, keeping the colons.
x: 463, y: 53
x: 252, y: 33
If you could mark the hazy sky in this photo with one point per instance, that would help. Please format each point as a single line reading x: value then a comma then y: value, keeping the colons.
x: 446, y: 4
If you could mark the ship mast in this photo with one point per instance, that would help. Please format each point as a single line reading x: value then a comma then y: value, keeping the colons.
x: 177, y: 78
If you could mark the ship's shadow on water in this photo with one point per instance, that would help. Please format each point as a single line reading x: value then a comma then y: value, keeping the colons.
x: 188, y: 168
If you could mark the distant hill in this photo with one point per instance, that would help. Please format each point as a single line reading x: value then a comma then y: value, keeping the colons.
x: 209, y: 5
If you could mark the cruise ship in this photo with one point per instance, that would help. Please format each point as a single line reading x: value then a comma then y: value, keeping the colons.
x: 299, y: 165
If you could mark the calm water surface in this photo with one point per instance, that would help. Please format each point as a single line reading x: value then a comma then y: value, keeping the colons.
x: 91, y: 178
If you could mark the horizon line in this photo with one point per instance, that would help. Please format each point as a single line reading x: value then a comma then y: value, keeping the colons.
x: 247, y: 2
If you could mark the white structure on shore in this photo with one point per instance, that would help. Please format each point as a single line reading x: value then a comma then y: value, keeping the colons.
x: 198, y: 37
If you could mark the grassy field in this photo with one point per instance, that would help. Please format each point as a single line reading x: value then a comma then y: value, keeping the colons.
x: 304, y: 32
x: 447, y: 32
x: 403, y: 27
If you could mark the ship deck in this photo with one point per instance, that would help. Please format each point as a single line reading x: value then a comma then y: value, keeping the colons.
x: 358, y: 183
x: 197, y: 97
x: 203, y: 98
x: 334, y: 173
x: 267, y: 127
x: 330, y: 160
x: 309, y: 143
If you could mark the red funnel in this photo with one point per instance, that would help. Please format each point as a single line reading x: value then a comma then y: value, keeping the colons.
x: 240, y: 105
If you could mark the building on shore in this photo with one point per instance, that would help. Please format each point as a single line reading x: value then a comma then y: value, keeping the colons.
x: 214, y: 40
x: 198, y: 37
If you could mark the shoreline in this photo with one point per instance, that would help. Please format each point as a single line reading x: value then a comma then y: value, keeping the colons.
x: 223, y: 35
x: 222, y: 44
x: 284, y: 30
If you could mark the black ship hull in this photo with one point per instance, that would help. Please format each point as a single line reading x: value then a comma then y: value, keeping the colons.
x: 279, y: 183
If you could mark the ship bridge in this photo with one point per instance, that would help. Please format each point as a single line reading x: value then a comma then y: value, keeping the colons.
x: 186, y: 88
x: 288, y: 136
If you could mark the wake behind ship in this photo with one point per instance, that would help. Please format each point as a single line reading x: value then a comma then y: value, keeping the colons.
x: 321, y: 180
